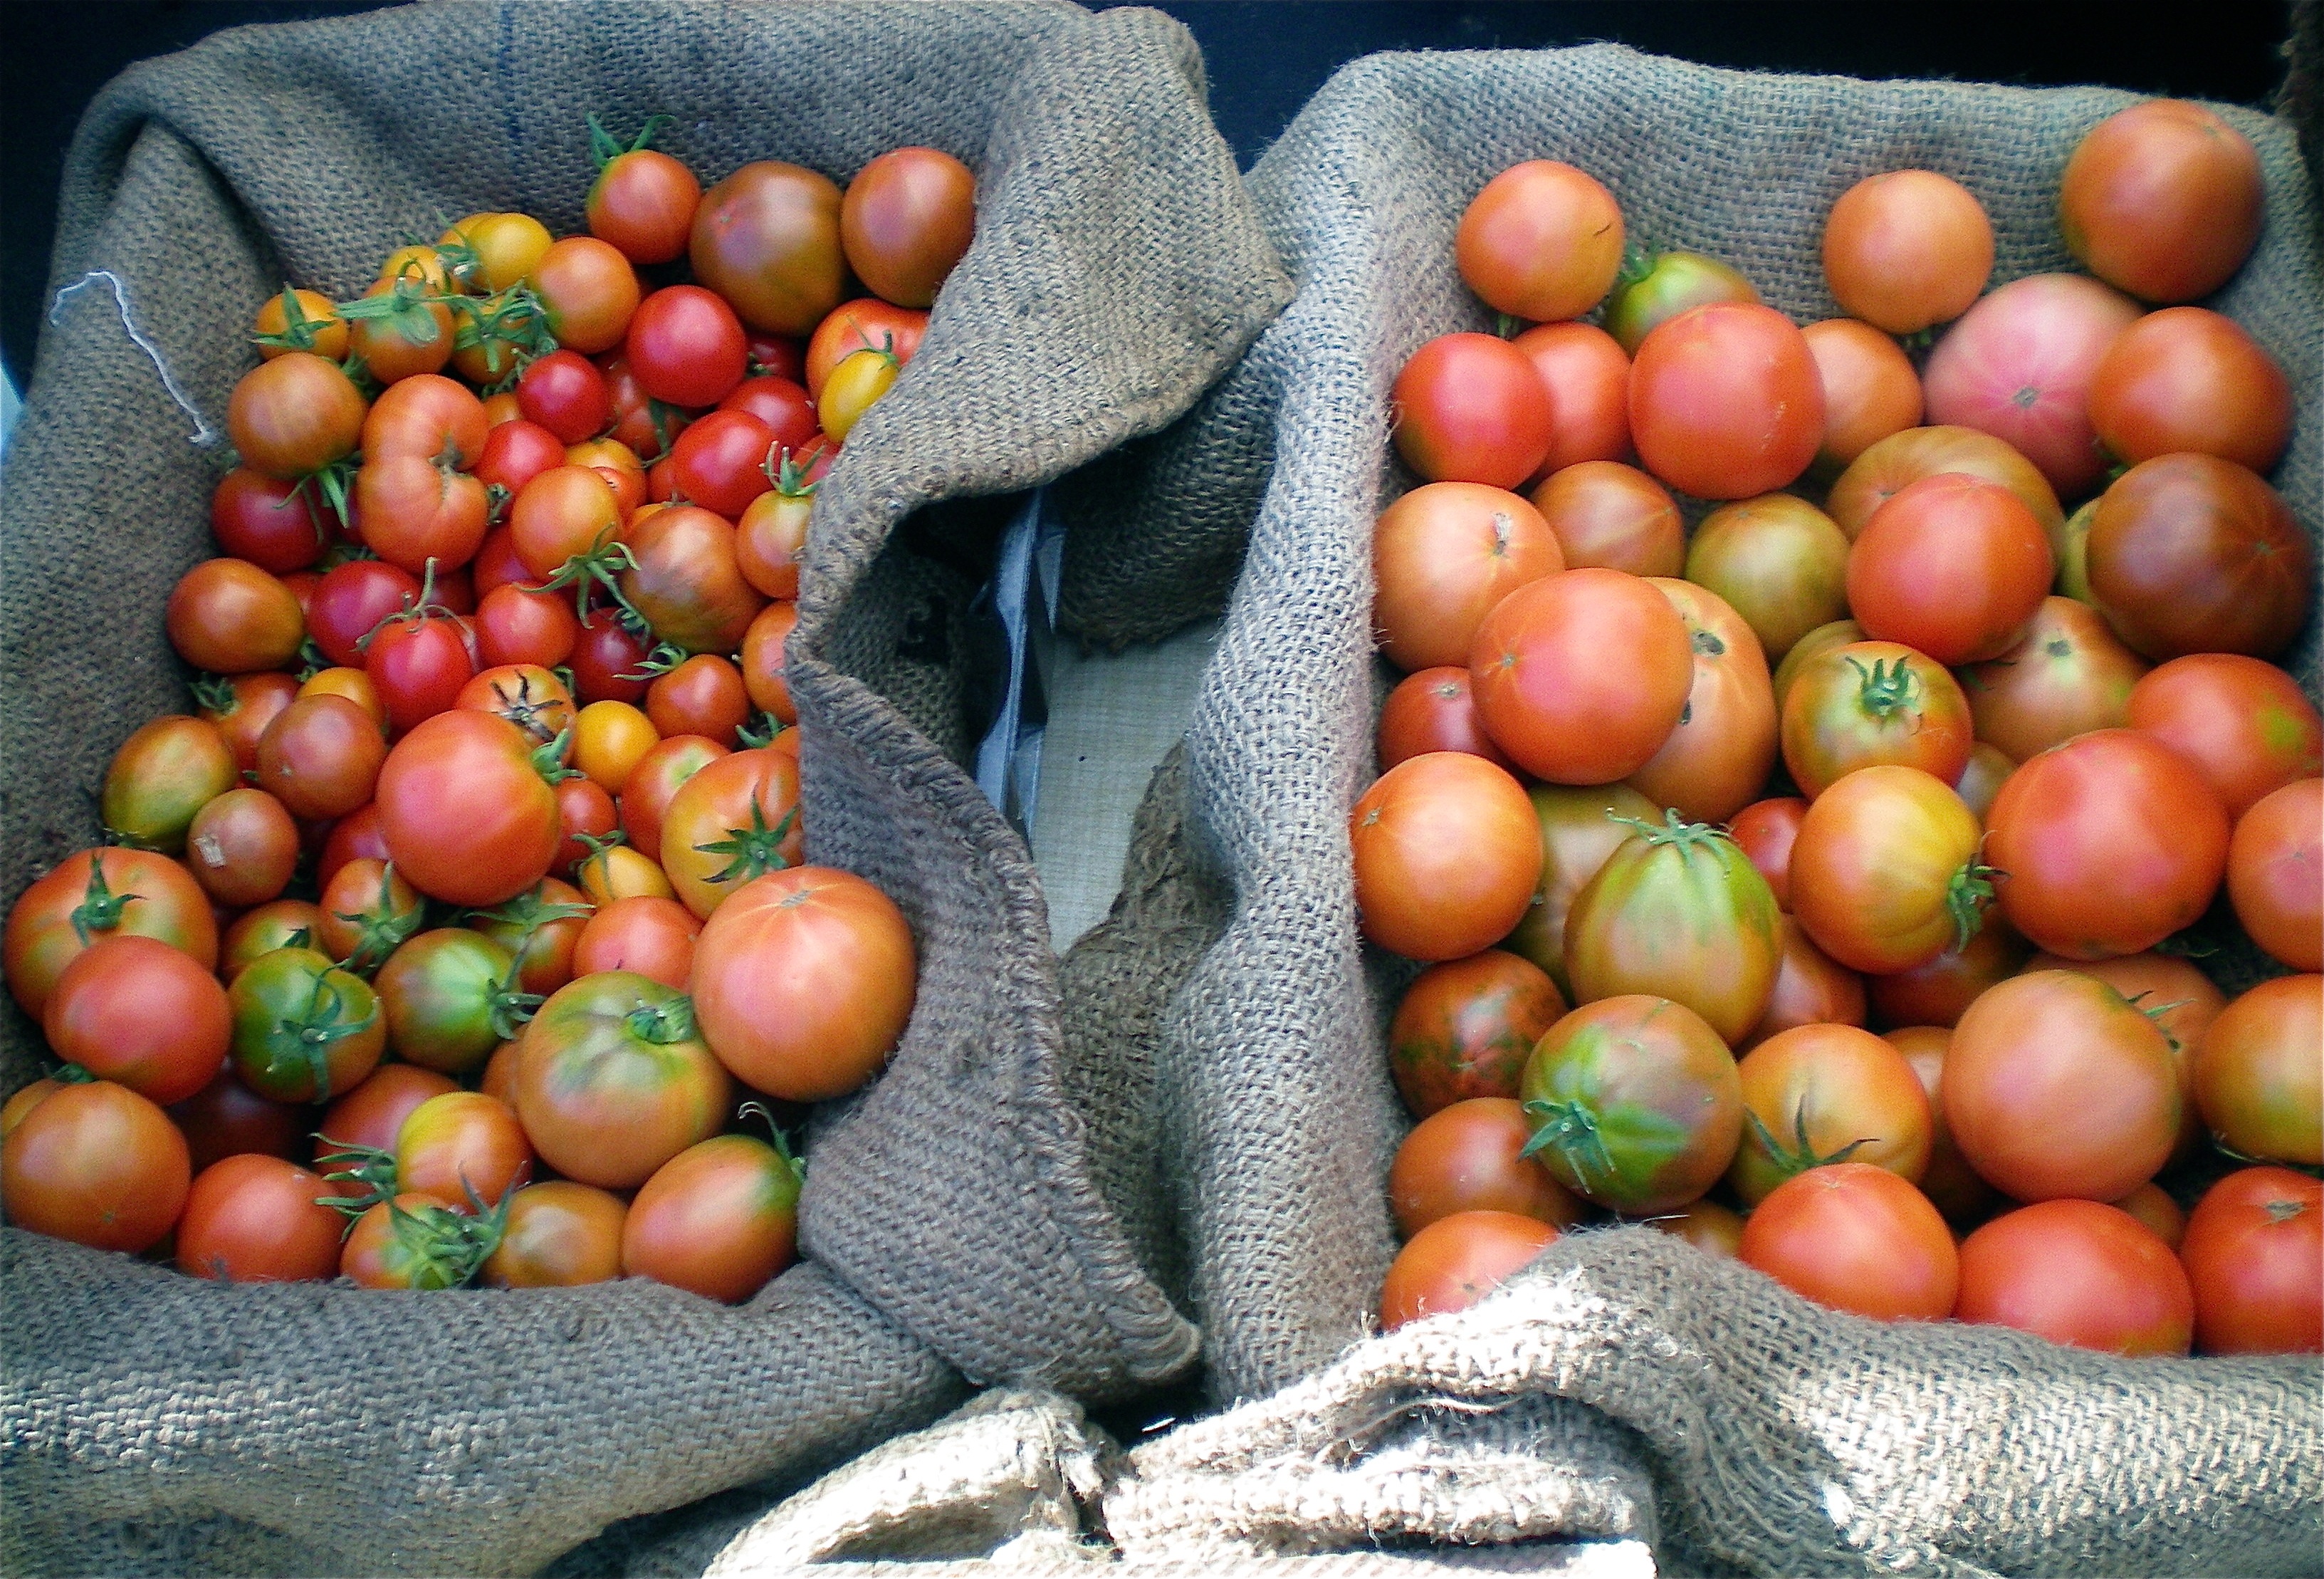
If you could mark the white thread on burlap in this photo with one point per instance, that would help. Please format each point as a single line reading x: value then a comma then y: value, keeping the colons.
x: 203, y: 433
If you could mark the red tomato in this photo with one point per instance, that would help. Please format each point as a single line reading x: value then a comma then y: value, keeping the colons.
x: 2257, y: 1079
x: 517, y: 626
x: 565, y: 394
x: 466, y: 812
x: 2078, y: 1272
x: 1613, y: 515
x: 416, y: 1240
x: 2066, y: 676
x: 1432, y: 709
x: 766, y: 664
x: 612, y: 1079
x: 1856, y: 1238
x: 2275, y: 874
x: 685, y: 345
x: 243, y: 848
x: 655, y: 778
x: 1870, y: 388
x: 907, y: 219
x: 225, y: 1118
x: 865, y: 324
x: 1715, y: 761
x: 295, y: 414
x: 1725, y: 402
x: 1470, y: 1157
x: 91, y: 895
x: 782, y: 404
x: 1470, y: 407
x: 1441, y: 557
x: 559, y: 1235
x: 1586, y: 375
x: 1906, y: 249
x: 1457, y: 1260
x: 703, y: 696
x: 718, y: 1220
x: 230, y: 617
x: 644, y: 933
x: 2181, y: 1001
x: 420, y: 661
x: 803, y: 981
x: 242, y: 706
x: 2190, y: 379
x: 1937, y: 993
x: 368, y: 910
x: 265, y: 520
x: 2019, y: 366
x: 1810, y: 989
x: 1764, y: 831
x: 1446, y: 856
x: 515, y: 452
x: 2254, y: 1252
x: 255, y: 1220
x: 736, y: 818
x: 2112, y: 842
x: 2163, y: 199
x: 137, y: 1011
x: 1951, y: 1185
x: 1823, y: 1093
x: 2243, y: 724
x: 1885, y: 872
x: 98, y: 1164
x: 2190, y: 553
x: 1952, y: 566
x: 1898, y: 461
x: 590, y: 291
x: 349, y: 603
x: 2154, y: 1211
x: 1542, y: 241
x: 1464, y: 1029
x: 1581, y: 676
x: 642, y: 202
x: 373, y: 1112
x: 1705, y: 1224
x: 720, y: 462
x: 321, y: 756
x: 526, y: 695
x: 605, y: 658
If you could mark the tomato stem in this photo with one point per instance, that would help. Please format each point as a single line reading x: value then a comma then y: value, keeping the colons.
x: 100, y: 908
x: 1884, y: 691
x: 379, y: 931
x: 1571, y: 1130
x: 372, y: 1175
x: 756, y: 850
x: 549, y: 759
x: 1803, y: 1156
x: 763, y: 731
x: 663, y: 1024
x: 1967, y: 894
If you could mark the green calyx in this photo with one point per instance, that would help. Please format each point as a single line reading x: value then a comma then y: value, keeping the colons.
x: 664, y: 657
x: 1887, y: 687
x: 754, y: 851
x: 100, y: 908
x: 761, y: 730
x: 755, y: 1109
x: 513, y: 1008
x: 510, y: 328
x: 308, y: 1037
x: 298, y: 329
x: 663, y: 1024
x: 600, y: 566
x: 403, y: 306
x: 379, y: 930
x: 605, y: 147
x: 369, y: 1172
x: 1966, y: 894
x: 1802, y: 1155
x: 782, y: 469
x: 549, y: 758
x: 444, y: 1248
x: 1571, y: 1130
x: 1686, y: 837
x: 214, y: 694
x: 329, y: 489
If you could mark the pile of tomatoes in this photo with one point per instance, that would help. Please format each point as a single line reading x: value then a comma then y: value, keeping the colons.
x: 447, y: 939
x: 1669, y: 844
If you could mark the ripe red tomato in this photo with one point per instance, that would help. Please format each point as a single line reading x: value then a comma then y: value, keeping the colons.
x: 718, y: 1220
x: 1856, y: 1238
x: 1464, y: 1028
x: 1542, y: 241
x: 1586, y: 376
x: 2163, y: 199
x: 295, y: 414
x: 1470, y: 1156
x: 1446, y: 855
x: 1867, y: 703
x: 2190, y: 379
x: 2275, y: 874
x: 767, y: 238
x: 321, y: 756
x: 783, y: 404
x: 349, y: 603
x: 1582, y: 675
x: 614, y: 1079
x: 2243, y: 724
x: 803, y: 982
x: 1937, y: 992
x: 684, y: 578
x: 95, y: 893
x: 1908, y: 249
x: 642, y: 203
x: 2254, y: 1252
x: 1764, y: 831
x: 2256, y: 1076
x: 1725, y: 402
x: 720, y: 462
x: 1634, y: 1103
x: 1613, y: 515
x: 243, y: 848
x: 559, y: 1235
x: 1441, y: 557
x: 517, y: 626
x: 1470, y: 407
x: 1823, y: 1093
x: 1715, y: 761
x: 2112, y: 842
x: 229, y: 617
x: 1457, y: 1260
x: 255, y: 1220
x: 2190, y: 553
x: 1778, y: 562
x: 590, y: 291
x: 421, y: 660
x: 98, y: 1164
x: 2078, y: 1272
x: 1433, y: 709
x: 907, y: 218
x: 1953, y: 566
x: 2019, y: 366
x: 644, y: 933
x: 1951, y: 1185
x: 1810, y: 989
x: 685, y: 346
x: 515, y: 452
x: 2066, y: 676
x: 2055, y: 1085
x: 1898, y: 461
x: 2178, y: 998
x: 1870, y: 388
x: 137, y: 1011
x: 565, y: 394
x: 265, y: 520
x: 1886, y: 871
x: 372, y: 1113
x: 605, y: 658
x: 465, y: 811
x: 703, y: 696
x: 766, y: 663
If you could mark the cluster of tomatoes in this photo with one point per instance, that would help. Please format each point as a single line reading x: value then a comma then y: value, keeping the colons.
x: 443, y: 941
x: 1596, y: 794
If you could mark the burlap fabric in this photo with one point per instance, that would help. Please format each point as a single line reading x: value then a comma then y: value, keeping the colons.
x: 1278, y: 1110
x: 953, y: 1212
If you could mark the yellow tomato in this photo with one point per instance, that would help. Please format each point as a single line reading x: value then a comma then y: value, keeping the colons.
x: 620, y: 873
x: 608, y: 739
x: 353, y: 684
x: 325, y: 330
x: 860, y: 378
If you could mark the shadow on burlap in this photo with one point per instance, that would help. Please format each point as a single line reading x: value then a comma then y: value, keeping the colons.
x: 962, y: 1224
x: 1948, y: 1449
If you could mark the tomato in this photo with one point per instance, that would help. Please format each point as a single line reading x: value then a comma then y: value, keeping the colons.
x: 2163, y: 199
x: 2078, y: 1272
x: 1470, y: 407
x: 865, y: 324
x: 2020, y: 366
x: 559, y: 1235
x: 2178, y: 998
x: 590, y: 291
x: 642, y: 203
x: 429, y: 418
x: 450, y: 998
x: 421, y: 661
x: 1979, y: 784
x: 565, y: 394
x: 703, y: 695
x: 1606, y: 513
x: 243, y: 847
x: 1634, y: 1103
x: 1819, y: 1094
x: 718, y: 1220
x: 515, y: 452
x: 1550, y: 696
x: 1580, y: 827
x: 507, y: 246
x: 350, y: 602
x: 524, y: 693
x: 780, y: 357
x: 1908, y: 249
x: 1441, y: 557
x: 647, y: 934
x: 765, y: 667
x: 460, y: 1143
x: 1870, y: 388
x: 162, y: 775
x: 767, y: 238
x: 736, y: 817
x: 1679, y: 912
x: 1764, y: 831
x: 541, y: 928
x: 403, y: 331
x: 517, y: 626
x: 2244, y: 725
x: 255, y: 1220
x: 91, y: 895
x: 1650, y: 293
x: 1950, y: 1184
x: 2255, y: 1253
x: 1936, y: 993
x: 265, y: 520
x: 293, y: 415
x: 370, y: 1115
x: 1446, y: 856
x: 1856, y: 1238
x: 1810, y: 989
x: 1778, y: 562
x: 610, y: 739
x: 854, y: 387
x: 1866, y: 704
x: 230, y: 617
x: 1455, y: 1261
x: 98, y: 1164
x: 613, y: 1080
x: 605, y: 658
x: 1432, y: 709
x: 242, y: 706
x: 2275, y: 874
x: 137, y: 1011
x: 783, y: 404
x: 2257, y: 1079
x: 803, y: 982
x: 303, y: 1028
x: 27, y: 1098
x: 907, y: 218
x: 2066, y: 676
x: 1953, y: 566
x: 1725, y: 402
x: 299, y: 320
x: 2112, y: 842
x: 1885, y: 872
x: 585, y: 814
x: 367, y: 911
x: 1715, y: 761
x: 2189, y: 379
x: 617, y: 872
x: 279, y: 924
x: 2055, y: 1085
x: 1820, y: 640
x: 416, y: 1240
x: 683, y: 577
x: 1705, y: 1224
x: 2190, y: 553
x: 1586, y: 379
x: 2153, y: 1210
x: 2074, y: 564
x: 1542, y: 241
x: 1898, y: 461
x: 1464, y: 1028
x: 227, y: 1119
x: 719, y: 462
x: 465, y: 811
x: 321, y: 756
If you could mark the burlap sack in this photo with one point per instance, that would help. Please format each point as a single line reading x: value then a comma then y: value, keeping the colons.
x: 953, y: 1213
x: 1279, y: 1115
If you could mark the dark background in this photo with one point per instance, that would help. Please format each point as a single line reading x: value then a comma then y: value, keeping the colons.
x: 1265, y: 58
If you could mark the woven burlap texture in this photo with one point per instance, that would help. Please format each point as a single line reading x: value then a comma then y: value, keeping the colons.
x: 1277, y: 1109
x: 953, y: 1212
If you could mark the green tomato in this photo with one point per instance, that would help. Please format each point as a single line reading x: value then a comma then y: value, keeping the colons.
x: 304, y: 1030
x: 451, y: 997
x: 1634, y: 1103
x: 1654, y: 292
x: 164, y: 773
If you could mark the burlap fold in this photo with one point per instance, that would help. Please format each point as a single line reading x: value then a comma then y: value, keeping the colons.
x: 951, y: 1211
